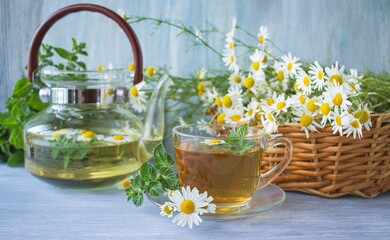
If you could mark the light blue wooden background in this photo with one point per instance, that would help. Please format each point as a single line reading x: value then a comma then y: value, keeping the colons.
x: 354, y: 32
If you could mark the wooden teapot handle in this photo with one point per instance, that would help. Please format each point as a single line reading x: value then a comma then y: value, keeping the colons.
x: 46, y: 25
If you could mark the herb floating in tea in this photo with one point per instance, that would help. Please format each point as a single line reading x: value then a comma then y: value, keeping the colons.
x: 153, y: 179
x: 236, y: 141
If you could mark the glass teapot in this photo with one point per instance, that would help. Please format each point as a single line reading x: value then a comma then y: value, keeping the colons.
x: 87, y: 137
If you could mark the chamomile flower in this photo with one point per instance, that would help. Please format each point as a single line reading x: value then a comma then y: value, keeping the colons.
x: 257, y: 64
x: 268, y: 119
x: 236, y: 79
x: 337, y: 97
x: 263, y: 35
x: 303, y: 82
x: 221, y: 118
x: 151, y: 71
x: 233, y: 98
x: 118, y: 139
x: 306, y: 120
x: 234, y: 24
x: 353, y: 126
x: 190, y: 204
x: 354, y: 81
x: 338, y: 120
x: 201, y: 73
x: 167, y: 209
x: 317, y: 75
x: 197, y: 33
x: 335, y: 75
x: 234, y: 115
x: 131, y: 67
x: 229, y: 58
x: 290, y: 65
x: 137, y: 98
x: 252, y: 108
x: 281, y: 104
x: 299, y: 99
x: 312, y: 105
x: 88, y: 136
x: 363, y: 114
x: 324, y: 109
x: 212, y: 142
x: 123, y: 184
x: 209, y: 96
x: 281, y: 75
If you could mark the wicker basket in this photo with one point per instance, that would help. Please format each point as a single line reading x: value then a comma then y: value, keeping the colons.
x: 332, y: 166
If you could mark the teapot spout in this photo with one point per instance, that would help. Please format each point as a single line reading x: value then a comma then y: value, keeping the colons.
x: 155, y: 114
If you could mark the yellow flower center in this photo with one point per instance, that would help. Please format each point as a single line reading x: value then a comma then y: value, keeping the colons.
x: 270, y: 101
x: 134, y: 91
x: 227, y: 101
x: 215, y: 141
x: 289, y: 66
x: 325, y: 108
x: 338, y: 99
x: 338, y: 120
x: 270, y: 117
x: 236, y: 117
x: 221, y: 118
x: 131, y: 67
x: 320, y: 75
x: 311, y: 106
x: 89, y: 134
x: 150, y: 71
x: 100, y: 68
x: 258, y: 117
x: 250, y: 112
x: 237, y: 79
x: 232, y: 58
x: 201, y: 87
x: 302, y: 99
x: 280, y: 75
x: 306, y: 81
x: 362, y: 115
x: 261, y: 39
x: 306, y: 120
x: 187, y: 207
x: 255, y: 66
x: 118, y: 138
x: 296, y: 87
x: 198, y: 73
x: 265, y: 59
x: 218, y: 101
x: 249, y: 82
x: 110, y: 91
x: 336, y: 78
x: 355, y: 123
x: 280, y: 105
x: 168, y: 210
x: 126, y: 184
x: 231, y: 45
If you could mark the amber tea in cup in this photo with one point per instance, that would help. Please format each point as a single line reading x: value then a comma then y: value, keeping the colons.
x: 206, y: 162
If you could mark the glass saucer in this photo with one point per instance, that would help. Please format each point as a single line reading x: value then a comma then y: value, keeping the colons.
x: 264, y: 200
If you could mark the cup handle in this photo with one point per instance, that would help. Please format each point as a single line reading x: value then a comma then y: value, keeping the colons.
x: 269, y: 176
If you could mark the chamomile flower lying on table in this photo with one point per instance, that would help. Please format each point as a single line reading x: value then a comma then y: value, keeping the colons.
x: 118, y: 139
x: 212, y: 142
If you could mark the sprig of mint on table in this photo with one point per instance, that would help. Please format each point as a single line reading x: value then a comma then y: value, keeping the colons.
x: 236, y: 141
x: 154, y: 179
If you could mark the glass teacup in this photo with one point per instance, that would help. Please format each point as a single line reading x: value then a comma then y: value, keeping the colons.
x: 228, y: 168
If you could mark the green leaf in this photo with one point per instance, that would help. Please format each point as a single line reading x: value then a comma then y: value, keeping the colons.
x: 22, y: 88
x: 20, y: 110
x: 62, y: 52
x: 162, y: 158
x: 155, y: 188
x: 170, y: 177
x: 10, y: 122
x: 16, y: 159
x: 242, y: 130
x: 231, y: 134
x: 148, y: 171
x: 16, y: 137
x: 35, y: 102
x: 137, y: 183
x: 138, y: 199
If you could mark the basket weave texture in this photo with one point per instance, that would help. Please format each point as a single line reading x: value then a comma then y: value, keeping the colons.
x: 331, y: 165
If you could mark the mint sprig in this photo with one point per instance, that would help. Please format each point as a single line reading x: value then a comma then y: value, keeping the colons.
x: 236, y: 141
x: 153, y: 179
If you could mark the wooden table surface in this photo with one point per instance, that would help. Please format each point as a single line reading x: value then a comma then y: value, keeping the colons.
x: 31, y: 209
